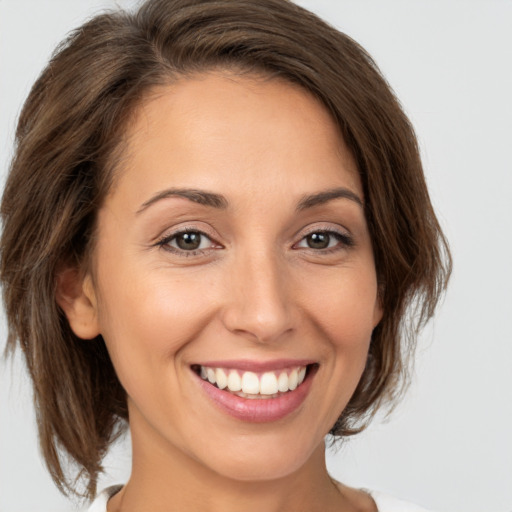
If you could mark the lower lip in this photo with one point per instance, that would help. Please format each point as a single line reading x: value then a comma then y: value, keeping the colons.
x: 258, y: 410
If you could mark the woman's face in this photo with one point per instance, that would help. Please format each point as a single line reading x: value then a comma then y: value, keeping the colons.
x: 233, y: 247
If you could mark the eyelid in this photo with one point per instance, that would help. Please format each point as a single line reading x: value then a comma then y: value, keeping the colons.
x: 324, y: 228
x: 186, y: 226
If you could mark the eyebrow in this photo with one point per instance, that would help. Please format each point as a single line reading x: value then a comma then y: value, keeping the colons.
x: 197, y: 196
x: 219, y: 201
x: 308, y: 201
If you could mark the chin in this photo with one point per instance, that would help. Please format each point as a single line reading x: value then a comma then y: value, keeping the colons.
x: 257, y: 469
x: 260, y: 458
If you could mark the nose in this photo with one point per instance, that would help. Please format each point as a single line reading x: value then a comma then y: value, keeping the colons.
x: 260, y: 305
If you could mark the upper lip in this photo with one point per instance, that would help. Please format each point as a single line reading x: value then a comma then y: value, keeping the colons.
x: 250, y: 365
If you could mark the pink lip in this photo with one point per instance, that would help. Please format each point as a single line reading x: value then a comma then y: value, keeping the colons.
x: 258, y: 410
x: 248, y: 365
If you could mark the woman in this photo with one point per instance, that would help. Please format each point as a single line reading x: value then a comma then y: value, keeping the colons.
x: 213, y: 232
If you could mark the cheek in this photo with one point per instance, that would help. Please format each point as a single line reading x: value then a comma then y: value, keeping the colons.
x: 347, y: 308
x: 341, y: 313
x: 146, y: 321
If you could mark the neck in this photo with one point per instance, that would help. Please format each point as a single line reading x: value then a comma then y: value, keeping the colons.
x: 175, y: 481
x: 166, y: 478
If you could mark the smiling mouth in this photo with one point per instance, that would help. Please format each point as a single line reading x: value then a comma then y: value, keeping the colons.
x: 255, y: 385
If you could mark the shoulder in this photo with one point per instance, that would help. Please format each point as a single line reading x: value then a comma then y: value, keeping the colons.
x: 100, y: 502
x: 387, y: 503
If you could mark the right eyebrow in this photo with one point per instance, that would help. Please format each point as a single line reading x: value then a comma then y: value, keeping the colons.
x: 197, y: 196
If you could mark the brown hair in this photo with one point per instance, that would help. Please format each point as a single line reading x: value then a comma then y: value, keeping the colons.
x: 67, y: 136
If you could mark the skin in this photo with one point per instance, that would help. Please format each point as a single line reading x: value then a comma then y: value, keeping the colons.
x: 254, y: 290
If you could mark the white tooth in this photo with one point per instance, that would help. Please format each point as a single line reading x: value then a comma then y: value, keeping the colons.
x: 234, y: 381
x: 221, y: 378
x: 268, y: 384
x: 210, y: 372
x: 302, y: 374
x: 293, y: 379
x: 250, y: 383
x: 282, y: 382
x: 203, y: 373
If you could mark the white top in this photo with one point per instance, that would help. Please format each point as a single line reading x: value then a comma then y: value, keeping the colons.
x: 385, y: 503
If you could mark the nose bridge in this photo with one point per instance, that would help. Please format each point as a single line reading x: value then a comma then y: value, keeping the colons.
x: 260, y: 306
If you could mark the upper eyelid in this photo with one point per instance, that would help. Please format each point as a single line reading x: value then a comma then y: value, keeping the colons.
x: 184, y: 228
x: 324, y: 228
x: 166, y: 238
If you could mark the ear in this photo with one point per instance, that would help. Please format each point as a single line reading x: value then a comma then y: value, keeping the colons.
x: 76, y: 296
x: 377, y: 313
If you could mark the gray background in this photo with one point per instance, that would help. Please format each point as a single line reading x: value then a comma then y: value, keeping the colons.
x: 449, y: 445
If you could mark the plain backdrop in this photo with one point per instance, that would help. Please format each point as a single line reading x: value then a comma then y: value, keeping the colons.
x: 449, y: 445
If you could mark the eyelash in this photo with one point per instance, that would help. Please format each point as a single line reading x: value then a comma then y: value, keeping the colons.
x: 345, y: 242
x: 166, y: 240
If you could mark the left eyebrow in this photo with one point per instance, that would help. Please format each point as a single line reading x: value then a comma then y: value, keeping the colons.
x: 308, y: 201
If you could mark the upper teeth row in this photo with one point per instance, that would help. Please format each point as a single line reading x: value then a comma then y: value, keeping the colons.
x: 268, y: 383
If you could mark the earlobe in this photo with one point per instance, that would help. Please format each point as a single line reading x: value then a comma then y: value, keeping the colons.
x: 377, y: 314
x: 76, y: 296
x: 378, y: 311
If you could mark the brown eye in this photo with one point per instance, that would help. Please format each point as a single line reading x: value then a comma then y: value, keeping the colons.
x: 318, y: 240
x: 188, y: 241
x: 325, y: 241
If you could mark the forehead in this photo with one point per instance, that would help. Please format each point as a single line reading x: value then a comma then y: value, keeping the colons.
x: 220, y: 130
